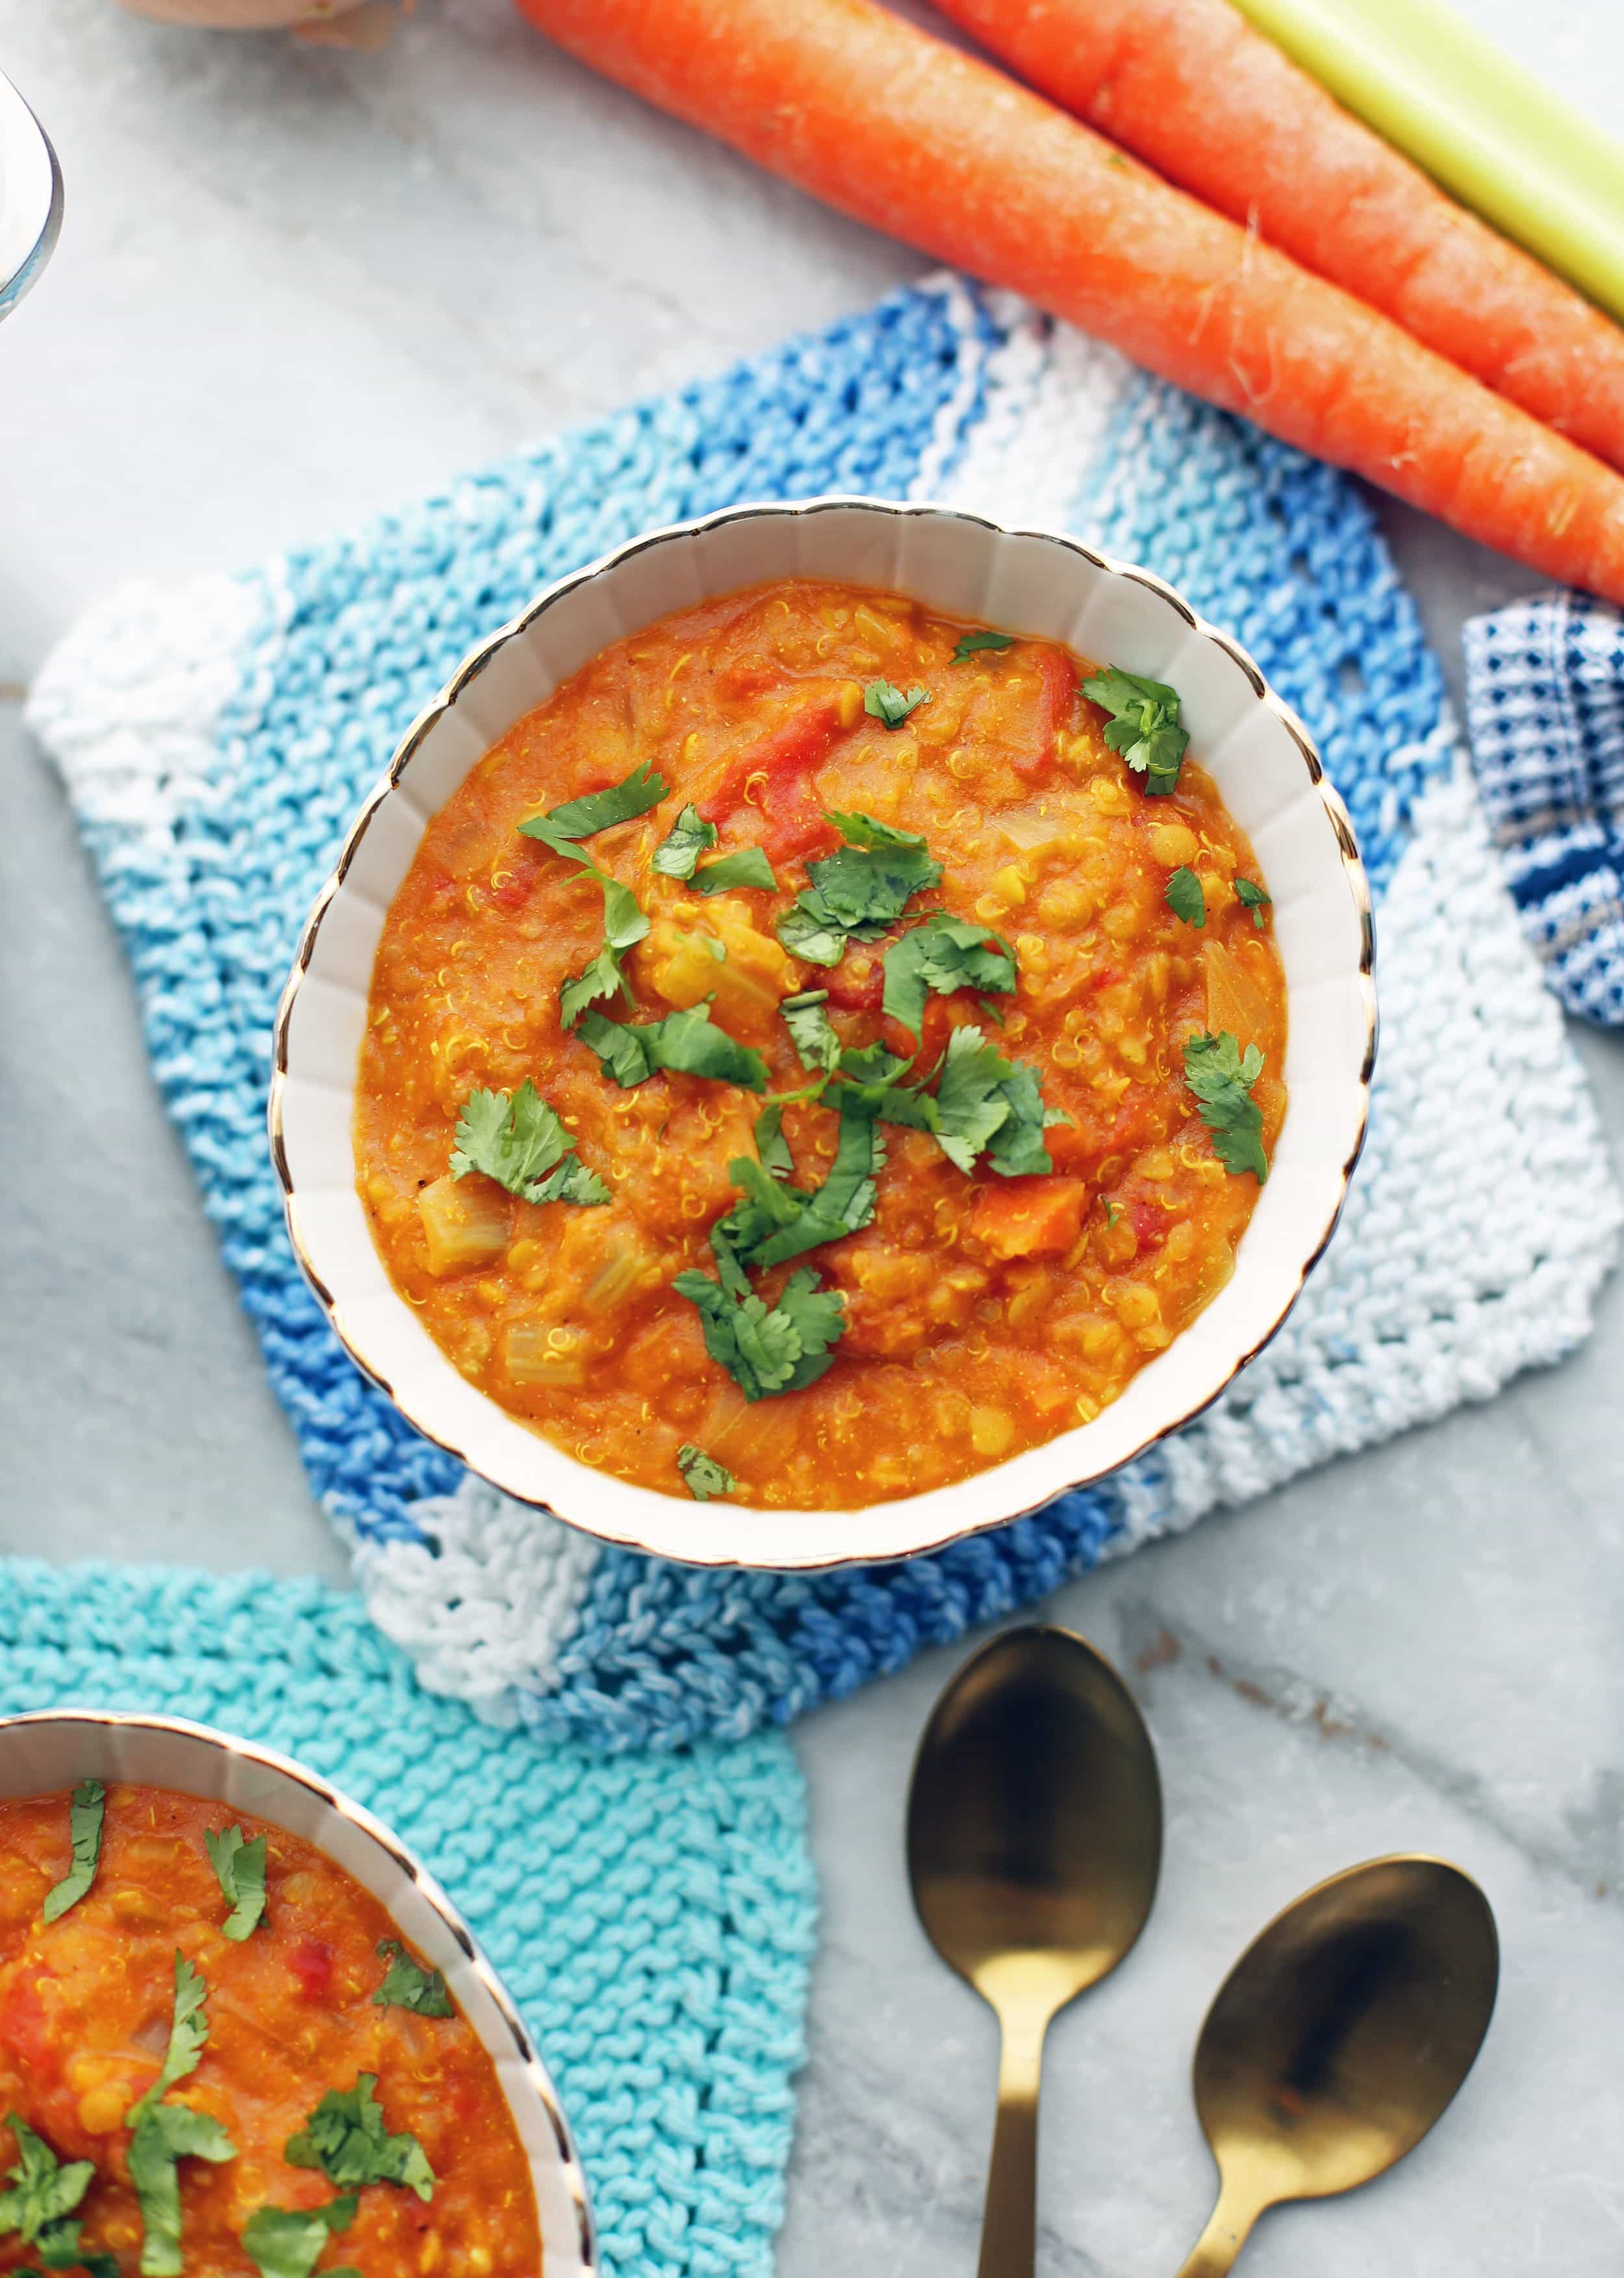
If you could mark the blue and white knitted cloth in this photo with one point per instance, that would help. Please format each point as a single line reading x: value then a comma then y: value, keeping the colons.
x: 1545, y: 708
x: 216, y: 738
x: 651, y: 1915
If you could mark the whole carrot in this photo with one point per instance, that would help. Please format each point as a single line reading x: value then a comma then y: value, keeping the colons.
x: 862, y: 109
x: 1191, y: 88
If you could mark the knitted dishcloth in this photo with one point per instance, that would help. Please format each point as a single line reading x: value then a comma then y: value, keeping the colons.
x: 652, y: 1914
x: 216, y: 738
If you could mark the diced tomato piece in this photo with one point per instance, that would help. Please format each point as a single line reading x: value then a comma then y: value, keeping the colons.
x: 784, y: 760
x: 854, y: 989
x: 24, y: 2030
x: 1037, y: 1217
x: 1149, y: 1224
x: 1056, y: 697
x: 311, y: 1961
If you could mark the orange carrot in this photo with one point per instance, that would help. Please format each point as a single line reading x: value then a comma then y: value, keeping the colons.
x: 894, y: 126
x: 1211, y: 103
x: 1030, y: 1218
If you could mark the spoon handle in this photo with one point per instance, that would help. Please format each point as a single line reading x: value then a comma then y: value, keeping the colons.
x: 1227, y: 2232
x: 1009, y: 2224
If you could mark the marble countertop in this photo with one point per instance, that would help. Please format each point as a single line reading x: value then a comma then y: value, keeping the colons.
x: 295, y: 287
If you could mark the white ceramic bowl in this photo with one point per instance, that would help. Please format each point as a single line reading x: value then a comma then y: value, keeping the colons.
x: 52, y: 1750
x: 1034, y: 582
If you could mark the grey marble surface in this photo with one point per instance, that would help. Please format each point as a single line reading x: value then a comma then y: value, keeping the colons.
x: 294, y: 287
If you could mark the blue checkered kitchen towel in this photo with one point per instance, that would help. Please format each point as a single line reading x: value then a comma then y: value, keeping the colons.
x: 1545, y: 708
x: 217, y: 736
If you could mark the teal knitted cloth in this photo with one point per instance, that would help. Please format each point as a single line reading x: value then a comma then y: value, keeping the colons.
x: 652, y: 1914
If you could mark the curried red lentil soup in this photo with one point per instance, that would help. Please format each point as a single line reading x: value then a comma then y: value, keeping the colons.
x: 824, y: 1051
x: 93, y: 2001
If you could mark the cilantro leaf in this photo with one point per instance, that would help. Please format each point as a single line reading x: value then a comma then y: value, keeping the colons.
x: 407, y: 1985
x: 595, y: 981
x: 1221, y: 1077
x: 808, y: 933
x: 704, y: 1475
x: 598, y: 810
x: 188, y: 2033
x: 240, y: 1867
x: 859, y: 891
x: 969, y: 643
x: 60, y: 2249
x: 85, y: 1807
x: 344, y: 2136
x: 1252, y: 898
x: 286, y: 2242
x: 1185, y: 899
x: 1143, y: 726
x: 873, y: 1086
x: 164, y: 2136
x: 516, y: 1141
x: 44, y: 2192
x: 986, y: 1103
x: 765, y: 1350
x: 889, y: 706
x: 944, y: 954
x: 749, y: 867
x: 811, y: 1031
x: 625, y: 922
x: 676, y: 855
x: 686, y: 1042
x: 770, y: 1143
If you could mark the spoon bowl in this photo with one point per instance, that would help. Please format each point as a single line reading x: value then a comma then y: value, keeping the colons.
x: 1339, y: 2038
x: 1034, y: 1843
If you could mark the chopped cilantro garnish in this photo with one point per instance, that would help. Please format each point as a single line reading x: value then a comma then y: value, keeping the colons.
x: 407, y: 1985
x: 239, y: 1868
x: 1252, y: 898
x: 86, y: 1806
x: 704, y: 1475
x: 1185, y: 899
x: 44, y: 2192
x: 984, y: 1102
x: 944, y: 954
x: 749, y: 867
x: 624, y: 924
x: 775, y: 1221
x: 889, y: 706
x: 516, y: 1142
x: 811, y: 1031
x: 1144, y: 725
x: 625, y: 921
x: 344, y: 2136
x: 676, y: 856
x: 770, y: 1143
x: 1221, y: 1077
x: 164, y: 2134
x: 188, y: 2032
x: 765, y: 1348
x: 969, y: 643
x: 598, y: 810
x: 859, y: 891
x: 286, y: 2242
x: 686, y: 1042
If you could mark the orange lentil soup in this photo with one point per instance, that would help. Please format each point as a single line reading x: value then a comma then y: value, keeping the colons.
x: 895, y: 1148
x: 88, y: 2004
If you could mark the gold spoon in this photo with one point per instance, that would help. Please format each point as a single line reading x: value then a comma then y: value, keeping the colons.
x: 1034, y: 1838
x: 1338, y: 2039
